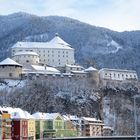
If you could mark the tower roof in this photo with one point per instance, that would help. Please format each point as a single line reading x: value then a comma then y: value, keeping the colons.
x: 58, y: 40
x: 9, y: 62
x: 90, y: 69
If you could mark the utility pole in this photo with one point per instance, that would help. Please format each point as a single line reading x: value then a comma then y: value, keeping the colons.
x: 135, y: 118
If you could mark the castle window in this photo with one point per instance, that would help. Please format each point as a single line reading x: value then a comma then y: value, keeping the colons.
x: 27, y: 61
x: 10, y: 74
x: 118, y: 75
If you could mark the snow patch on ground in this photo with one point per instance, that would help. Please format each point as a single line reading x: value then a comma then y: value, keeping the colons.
x: 10, y: 84
x: 115, y: 44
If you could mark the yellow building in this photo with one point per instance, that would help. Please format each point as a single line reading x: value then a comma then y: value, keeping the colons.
x: 31, y: 126
x: 6, y: 126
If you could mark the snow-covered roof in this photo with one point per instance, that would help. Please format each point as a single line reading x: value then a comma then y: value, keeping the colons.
x: 39, y: 115
x: 79, y: 72
x: 28, y: 115
x: 45, y: 69
x: 107, y: 127
x: 56, y: 43
x: 91, y: 119
x: 58, y: 40
x: 26, y: 53
x: 71, y: 117
x: 45, y: 116
x: 17, y: 113
x: 73, y: 66
x: 91, y: 69
x: 51, y: 116
x: 66, y: 118
x: 9, y: 62
x: 117, y: 70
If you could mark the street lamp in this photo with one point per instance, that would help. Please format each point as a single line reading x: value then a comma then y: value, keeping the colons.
x: 135, y: 116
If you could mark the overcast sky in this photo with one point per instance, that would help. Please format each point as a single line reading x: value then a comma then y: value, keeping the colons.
x: 118, y: 15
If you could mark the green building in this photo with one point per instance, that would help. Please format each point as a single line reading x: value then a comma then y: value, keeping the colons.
x: 39, y: 124
x: 54, y: 125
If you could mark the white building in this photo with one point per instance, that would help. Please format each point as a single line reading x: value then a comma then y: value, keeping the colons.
x: 70, y: 68
x: 26, y: 58
x: 117, y: 74
x: 56, y: 53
